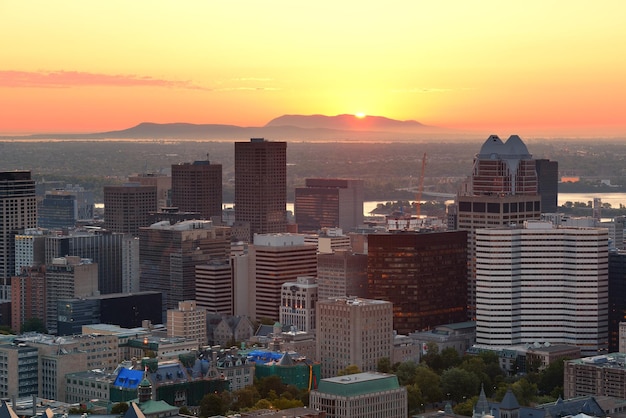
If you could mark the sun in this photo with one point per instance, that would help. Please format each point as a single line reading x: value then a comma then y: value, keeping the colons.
x: 360, y: 115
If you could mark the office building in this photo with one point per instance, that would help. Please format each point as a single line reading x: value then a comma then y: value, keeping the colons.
x: 187, y: 321
x: 329, y: 203
x: 274, y: 260
x: 20, y: 372
x: 362, y: 395
x: 297, y: 306
x: 617, y: 301
x: 111, y: 251
x: 127, y: 310
x: 58, y: 210
x: 127, y: 208
x: 18, y: 207
x: 602, y: 375
x: 353, y: 331
x: 548, y: 182
x: 341, y: 273
x: 197, y: 187
x: 502, y: 190
x: 169, y: 255
x: 539, y: 283
x: 424, y: 275
x: 29, y: 249
x: 67, y: 278
x: 214, y: 286
x: 162, y: 182
x: 28, y: 296
x: 261, y: 186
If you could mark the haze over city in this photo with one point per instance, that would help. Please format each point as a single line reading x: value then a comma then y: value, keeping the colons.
x: 531, y: 68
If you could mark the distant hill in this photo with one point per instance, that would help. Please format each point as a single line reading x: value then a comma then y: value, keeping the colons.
x: 348, y: 122
x: 287, y: 127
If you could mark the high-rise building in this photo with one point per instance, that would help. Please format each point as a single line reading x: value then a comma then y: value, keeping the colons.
x: 297, y: 306
x: 197, y: 187
x: 274, y: 260
x: 58, y: 210
x: 341, y: 274
x: 162, y: 182
x: 127, y: 208
x: 261, y: 186
x: 353, y: 331
x: 617, y: 302
x: 29, y: 249
x: 503, y: 189
x: 109, y: 250
x: 363, y: 395
x: 18, y: 210
x: 329, y: 203
x: 424, y: 275
x: 20, y: 371
x: 66, y: 278
x: 214, y: 286
x: 169, y: 255
x: 28, y: 296
x: 187, y: 321
x: 548, y: 177
x: 539, y: 283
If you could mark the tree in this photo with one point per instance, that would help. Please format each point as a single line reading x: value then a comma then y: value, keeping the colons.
x: 551, y: 379
x: 450, y: 358
x: 351, y: 369
x: 414, y: 399
x: 212, y: 404
x: 119, y: 408
x: 430, y: 384
x: 270, y: 383
x: 34, y: 324
x: 406, y: 373
x: 245, y: 397
x: 466, y: 408
x: 459, y: 384
x: 383, y: 365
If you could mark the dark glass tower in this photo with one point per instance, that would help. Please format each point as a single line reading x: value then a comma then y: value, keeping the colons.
x: 197, y: 187
x: 261, y: 185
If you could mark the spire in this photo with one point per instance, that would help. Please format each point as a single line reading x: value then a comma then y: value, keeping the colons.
x: 144, y: 390
x: 482, y: 405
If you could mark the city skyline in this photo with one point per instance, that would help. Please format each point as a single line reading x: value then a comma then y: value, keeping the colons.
x: 534, y: 68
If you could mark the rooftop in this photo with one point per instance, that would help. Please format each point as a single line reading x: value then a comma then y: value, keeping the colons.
x: 358, y: 384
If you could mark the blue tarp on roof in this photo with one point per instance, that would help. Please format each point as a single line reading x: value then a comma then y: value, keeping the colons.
x: 128, y: 379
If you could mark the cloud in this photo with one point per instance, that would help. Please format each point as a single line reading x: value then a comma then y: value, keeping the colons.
x: 246, y: 84
x: 67, y: 79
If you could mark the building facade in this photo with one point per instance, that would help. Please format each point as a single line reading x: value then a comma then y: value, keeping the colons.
x: 261, y: 186
x: 276, y: 259
x: 503, y: 189
x: 169, y: 255
x: 19, y: 369
x: 197, y: 188
x: 127, y: 208
x: 28, y: 296
x: 424, y: 275
x: 602, y: 375
x: 329, y: 203
x: 58, y: 210
x: 297, y: 305
x: 362, y: 395
x: 353, y: 331
x: 188, y: 321
x: 214, y: 286
x: 539, y: 283
x: 341, y: 273
x: 18, y: 207
x: 617, y: 302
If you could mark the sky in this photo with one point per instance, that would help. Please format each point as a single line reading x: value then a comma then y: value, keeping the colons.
x: 526, y: 67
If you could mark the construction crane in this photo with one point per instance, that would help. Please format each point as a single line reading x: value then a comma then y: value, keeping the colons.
x: 420, y: 189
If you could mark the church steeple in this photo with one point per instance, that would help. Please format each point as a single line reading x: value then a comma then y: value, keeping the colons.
x: 482, y: 406
x: 144, y: 390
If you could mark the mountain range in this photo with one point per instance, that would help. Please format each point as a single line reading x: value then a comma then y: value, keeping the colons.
x: 286, y: 127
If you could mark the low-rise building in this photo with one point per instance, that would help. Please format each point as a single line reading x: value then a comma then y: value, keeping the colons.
x: 362, y: 395
x: 598, y: 375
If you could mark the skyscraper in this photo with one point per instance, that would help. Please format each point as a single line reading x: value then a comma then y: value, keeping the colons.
x: 424, y: 275
x: 127, y: 208
x: 548, y: 176
x: 329, y: 203
x: 169, y: 255
x: 197, y: 187
x: 353, y: 331
x: 274, y: 260
x: 18, y: 210
x: 540, y: 283
x: 503, y: 189
x: 261, y: 186
x: 341, y: 274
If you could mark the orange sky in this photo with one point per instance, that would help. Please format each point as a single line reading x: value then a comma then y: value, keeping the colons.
x: 532, y: 67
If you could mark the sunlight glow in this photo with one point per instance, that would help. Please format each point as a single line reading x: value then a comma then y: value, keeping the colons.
x: 360, y: 115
